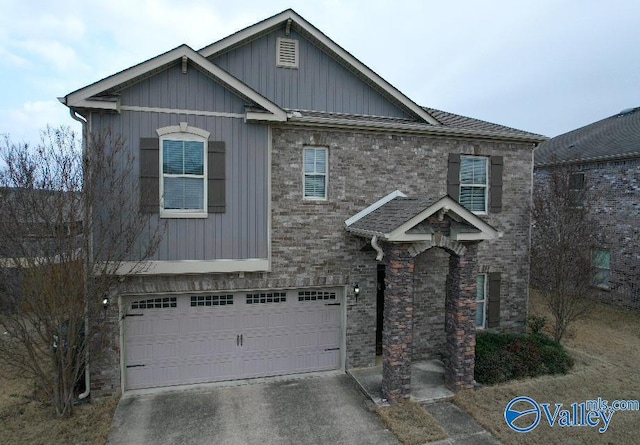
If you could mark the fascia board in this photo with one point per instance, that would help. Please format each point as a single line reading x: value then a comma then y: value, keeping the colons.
x: 365, y: 71
x: 81, y: 98
x: 379, y: 203
x: 487, y: 232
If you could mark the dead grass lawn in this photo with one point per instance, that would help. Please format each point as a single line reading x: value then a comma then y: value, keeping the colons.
x: 411, y: 423
x: 27, y: 421
x: 606, y: 347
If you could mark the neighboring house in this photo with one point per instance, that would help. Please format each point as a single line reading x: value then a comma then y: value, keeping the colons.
x: 295, y: 182
x: 38, y: 228
x: 604, y: 163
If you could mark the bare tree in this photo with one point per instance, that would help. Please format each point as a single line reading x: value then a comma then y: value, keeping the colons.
x: 562, y: 238
x: 69, y: 218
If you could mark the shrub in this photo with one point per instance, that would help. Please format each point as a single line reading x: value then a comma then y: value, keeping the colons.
x: 502, y: 357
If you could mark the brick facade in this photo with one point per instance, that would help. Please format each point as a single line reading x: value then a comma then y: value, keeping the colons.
x: 613, y: 197
x: 310, y: 247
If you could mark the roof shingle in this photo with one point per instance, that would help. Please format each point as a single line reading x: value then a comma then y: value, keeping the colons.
x: 617, y: 136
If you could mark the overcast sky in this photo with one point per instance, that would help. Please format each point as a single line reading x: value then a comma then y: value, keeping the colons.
x: 542, y: 66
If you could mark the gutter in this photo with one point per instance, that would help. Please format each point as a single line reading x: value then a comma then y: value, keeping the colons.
x: 87, y: 376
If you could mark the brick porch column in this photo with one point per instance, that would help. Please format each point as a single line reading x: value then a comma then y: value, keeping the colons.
x: 460, y: 321
x: 397, y: 333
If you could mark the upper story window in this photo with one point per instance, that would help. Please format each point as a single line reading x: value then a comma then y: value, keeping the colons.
x: 315, y: 173
x: 474, y: 184
x: 183, y: 172
x: 576, y: 189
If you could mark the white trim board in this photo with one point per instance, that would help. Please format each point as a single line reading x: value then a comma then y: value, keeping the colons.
x: 193, y: 267
x: 361, y: 214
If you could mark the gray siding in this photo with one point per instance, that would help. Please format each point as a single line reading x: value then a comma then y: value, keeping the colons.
x: 319, y: 84
x: 191, y: 91
x: 240, y: 232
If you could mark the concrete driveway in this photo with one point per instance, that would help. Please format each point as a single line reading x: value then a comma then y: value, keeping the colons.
x: 325, y: 409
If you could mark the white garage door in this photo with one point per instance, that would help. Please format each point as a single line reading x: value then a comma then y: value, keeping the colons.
x: 206, y: 338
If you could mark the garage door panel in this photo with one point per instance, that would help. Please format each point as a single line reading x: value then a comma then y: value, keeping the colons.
x: 212, y: 338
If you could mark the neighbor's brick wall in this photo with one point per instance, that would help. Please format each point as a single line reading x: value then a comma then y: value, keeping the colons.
x: 613, y: 195
x: 311, y: 248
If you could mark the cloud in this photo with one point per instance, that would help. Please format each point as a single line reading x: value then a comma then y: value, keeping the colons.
x: 24, y: 123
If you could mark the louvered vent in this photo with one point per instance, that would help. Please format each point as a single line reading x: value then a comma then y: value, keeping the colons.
x: 287, y: 53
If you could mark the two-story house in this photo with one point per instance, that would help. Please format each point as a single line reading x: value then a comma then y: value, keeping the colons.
x: 294, y: 182
x: 603, y: 159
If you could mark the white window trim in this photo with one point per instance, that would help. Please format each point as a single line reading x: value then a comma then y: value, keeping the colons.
x: 326, y: 174
x: 486, y: 185
x: 484, y: 301
x: 183, y: 132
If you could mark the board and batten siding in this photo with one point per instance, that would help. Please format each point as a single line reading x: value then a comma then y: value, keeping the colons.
x: 319, y: 83
x: 192, y: 90
x: 241, y: 232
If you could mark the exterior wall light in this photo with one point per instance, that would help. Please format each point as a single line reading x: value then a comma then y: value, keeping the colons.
x: 105, y: 303
x: 356, y: 291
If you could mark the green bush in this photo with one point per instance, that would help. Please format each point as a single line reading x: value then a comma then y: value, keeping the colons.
x: 503, y: 357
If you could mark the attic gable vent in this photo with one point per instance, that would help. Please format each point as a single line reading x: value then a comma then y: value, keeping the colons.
x: 286, y: 53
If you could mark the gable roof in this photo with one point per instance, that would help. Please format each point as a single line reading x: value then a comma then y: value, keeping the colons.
x: 401, y: 219
x: 97, y: 96
x: 615, y: 137
x: 290, y: 18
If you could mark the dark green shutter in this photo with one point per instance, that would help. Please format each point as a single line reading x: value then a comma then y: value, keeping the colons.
x: 493, y: 305
x: 216, y: 192
x: 453, y: 176
x: 149, y: 175
x: 495, y: 185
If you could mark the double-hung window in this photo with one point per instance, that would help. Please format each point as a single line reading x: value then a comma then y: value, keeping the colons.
x: 474, y: 185
x: 183, y: 183
x: 601, y: 260
x: 315, y: 173
x: 481, y: 300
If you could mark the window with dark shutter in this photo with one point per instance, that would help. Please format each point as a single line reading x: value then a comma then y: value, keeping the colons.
x: 453, y: 176
x: 495, y: 184
x: 493, y: 305
x: 151, y: 176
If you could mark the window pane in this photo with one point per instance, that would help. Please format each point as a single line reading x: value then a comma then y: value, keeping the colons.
x: 193, y: 158
x: 315, y: 160
x: 314, y: 186
x: 184, y: 193
x: 309, y: 160
x: 473, y: 171
x: 173, y: 193
x: 321, y: 161
x: 601, y: 258
x: 193, y: 193
x: 480, y: 315
x: 172, y: 152
x: 480, y: 287
x: 473, y: 198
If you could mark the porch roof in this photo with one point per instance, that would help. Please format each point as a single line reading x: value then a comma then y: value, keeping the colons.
x: 406, y: 219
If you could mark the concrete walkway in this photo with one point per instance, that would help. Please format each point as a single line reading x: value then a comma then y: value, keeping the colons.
x: 427, y: 382
x: 459, y: 426
x: 427, y: 388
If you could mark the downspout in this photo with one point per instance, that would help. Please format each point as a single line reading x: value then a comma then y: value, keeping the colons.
x: 376, y: 247
x: 87, y: 377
